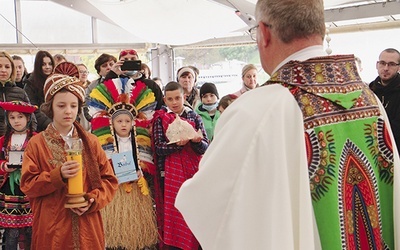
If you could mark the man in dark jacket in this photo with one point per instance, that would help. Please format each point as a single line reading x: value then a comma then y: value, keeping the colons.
x: 387, y: 87
x: 103, y: 65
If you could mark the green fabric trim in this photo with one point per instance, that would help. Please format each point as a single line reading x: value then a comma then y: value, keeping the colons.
x: 14, y: 178
x: 345, y: 100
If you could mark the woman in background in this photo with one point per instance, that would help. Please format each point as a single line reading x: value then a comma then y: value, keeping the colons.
x: 20, y: 71
x: 83, y: 74
x: 145, y: 71
x: 8, y: 90
x: 249, y: 78
x: 43, y: 67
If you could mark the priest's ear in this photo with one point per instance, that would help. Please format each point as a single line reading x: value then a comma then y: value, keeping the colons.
x: 264, y: 34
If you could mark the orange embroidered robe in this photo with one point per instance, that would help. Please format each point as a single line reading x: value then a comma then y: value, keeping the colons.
x: 56, y: 227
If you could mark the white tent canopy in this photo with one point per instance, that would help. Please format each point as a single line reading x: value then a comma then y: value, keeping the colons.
x: 92, y: 24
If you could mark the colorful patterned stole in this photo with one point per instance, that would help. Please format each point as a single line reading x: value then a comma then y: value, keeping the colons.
x: 349, y: 152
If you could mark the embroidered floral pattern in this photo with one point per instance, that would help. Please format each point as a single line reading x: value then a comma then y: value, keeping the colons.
x: 56, y: 145
x: 335, y: 104
x: 380, y: 147
x: 322, y: 171
x: 358, y: 200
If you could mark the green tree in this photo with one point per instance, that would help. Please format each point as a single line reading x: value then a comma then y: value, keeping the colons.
x: 241, y: 53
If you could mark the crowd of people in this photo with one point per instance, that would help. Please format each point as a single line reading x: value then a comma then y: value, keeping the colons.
x: 56, y: 101
x: 164, y: 166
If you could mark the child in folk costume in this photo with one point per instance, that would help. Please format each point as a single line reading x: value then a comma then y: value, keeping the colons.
x: 46, y: 172
x: 120, y: 122
x: 178, y: 150
x: 15, y: 212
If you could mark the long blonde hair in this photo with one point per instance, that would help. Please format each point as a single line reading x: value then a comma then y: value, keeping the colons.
x: 13, y: 73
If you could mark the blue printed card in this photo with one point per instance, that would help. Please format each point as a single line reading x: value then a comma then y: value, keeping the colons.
x: 124, y: 167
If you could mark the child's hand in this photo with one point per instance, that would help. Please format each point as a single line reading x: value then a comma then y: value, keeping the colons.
x: 139, y: 173
x: 9, y: 170
x: 69, y: 169
x: 182, y: 142
x: 81, y: 210
x: 197, y: 139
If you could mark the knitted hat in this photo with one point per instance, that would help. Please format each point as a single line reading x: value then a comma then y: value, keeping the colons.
x: 185, y: 70
x: 18, y: 106
x: 208, y: 88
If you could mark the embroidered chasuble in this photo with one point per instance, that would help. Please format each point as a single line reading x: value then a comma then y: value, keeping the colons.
x: 304, y: 162
x: 349, y: 152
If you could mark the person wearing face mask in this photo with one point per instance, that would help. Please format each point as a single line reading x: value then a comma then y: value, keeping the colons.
x: 137, y: 76
x: 207, y: 109
x: 249, y: 77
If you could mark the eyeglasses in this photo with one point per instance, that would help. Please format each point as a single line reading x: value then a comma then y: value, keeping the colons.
x: 389, y: 64
x: 253, y: 31
x: 126, y: 52
x: 83, y: 72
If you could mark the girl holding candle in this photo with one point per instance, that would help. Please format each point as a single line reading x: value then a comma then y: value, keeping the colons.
x: 15, y: 212
x: 45, y: 172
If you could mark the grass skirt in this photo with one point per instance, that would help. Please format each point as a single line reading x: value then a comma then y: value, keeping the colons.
x: 129, y: 220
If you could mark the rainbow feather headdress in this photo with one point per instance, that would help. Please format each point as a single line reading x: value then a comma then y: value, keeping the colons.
x: 123, y: 93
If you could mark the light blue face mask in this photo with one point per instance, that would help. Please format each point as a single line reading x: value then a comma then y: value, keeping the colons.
x: 210, y: 107
x: 131, y: 72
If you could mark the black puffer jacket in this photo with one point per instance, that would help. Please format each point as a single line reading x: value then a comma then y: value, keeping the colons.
x: 11, y: 92
x: 390, y: 98
x: 36, y: 96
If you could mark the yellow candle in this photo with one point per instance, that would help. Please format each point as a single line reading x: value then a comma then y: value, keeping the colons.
x: 75, y: 184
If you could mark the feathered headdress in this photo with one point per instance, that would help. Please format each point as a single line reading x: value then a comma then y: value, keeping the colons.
x: 119, y: 94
